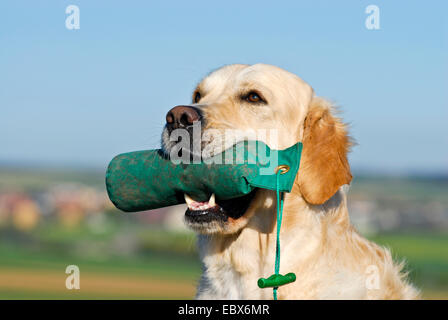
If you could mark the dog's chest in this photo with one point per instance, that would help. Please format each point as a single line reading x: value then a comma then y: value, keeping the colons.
x: 233, y: 273
x: 223, y: 279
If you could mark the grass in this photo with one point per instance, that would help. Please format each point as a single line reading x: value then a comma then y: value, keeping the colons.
x: 39, y: 273
x: 29, y: 273
x: 426, y: 257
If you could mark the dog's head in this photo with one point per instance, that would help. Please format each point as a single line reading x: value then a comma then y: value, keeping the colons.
x: 236, y: 102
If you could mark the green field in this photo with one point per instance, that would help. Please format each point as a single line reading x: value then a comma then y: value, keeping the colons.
x: 426, y: 257
x: 29, y: 272
x: 36, y: 272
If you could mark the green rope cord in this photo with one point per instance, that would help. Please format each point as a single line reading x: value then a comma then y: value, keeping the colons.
x: 276, y: 280
x: 279, y: 224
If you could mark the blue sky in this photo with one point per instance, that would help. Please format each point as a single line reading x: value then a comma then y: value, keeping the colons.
x: 78, y: 97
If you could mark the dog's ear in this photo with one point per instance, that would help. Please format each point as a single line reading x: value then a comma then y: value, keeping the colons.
x: 324, y: 166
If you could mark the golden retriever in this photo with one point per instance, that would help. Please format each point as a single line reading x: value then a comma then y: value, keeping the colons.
x: 237, y: 238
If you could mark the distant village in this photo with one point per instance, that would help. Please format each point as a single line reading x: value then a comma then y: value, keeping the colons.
x: 70, y: 205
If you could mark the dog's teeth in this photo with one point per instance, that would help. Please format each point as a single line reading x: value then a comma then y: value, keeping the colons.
x: 211, y: 201
x: 188, y: 200
x: 195, y: 205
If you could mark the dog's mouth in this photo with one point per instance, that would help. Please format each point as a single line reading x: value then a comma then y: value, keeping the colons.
x: 215, y: 215
x: 215, y: 210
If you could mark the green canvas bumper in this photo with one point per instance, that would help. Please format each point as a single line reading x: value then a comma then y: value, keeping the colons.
x: 144, y: 180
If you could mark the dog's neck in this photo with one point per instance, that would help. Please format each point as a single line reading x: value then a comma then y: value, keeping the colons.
x: 233, y: 263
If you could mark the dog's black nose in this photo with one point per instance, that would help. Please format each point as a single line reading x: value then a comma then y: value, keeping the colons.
x: 182, y: 116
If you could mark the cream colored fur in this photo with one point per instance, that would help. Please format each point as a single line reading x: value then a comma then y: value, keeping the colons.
x: 318, y: 243
x: 330, y: 259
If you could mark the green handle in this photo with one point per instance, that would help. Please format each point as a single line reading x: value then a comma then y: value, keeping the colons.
x: 276, y: 280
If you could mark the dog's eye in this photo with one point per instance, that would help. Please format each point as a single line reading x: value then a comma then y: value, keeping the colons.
x: 197, y: 97
x: 253, y: 97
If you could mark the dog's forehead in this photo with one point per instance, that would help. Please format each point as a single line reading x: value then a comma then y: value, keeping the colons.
x: 259, y: 75
x: 221, y: 77
x: 268, y: 75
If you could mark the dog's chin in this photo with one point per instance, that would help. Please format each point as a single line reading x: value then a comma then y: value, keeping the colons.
x: 224, y: 217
